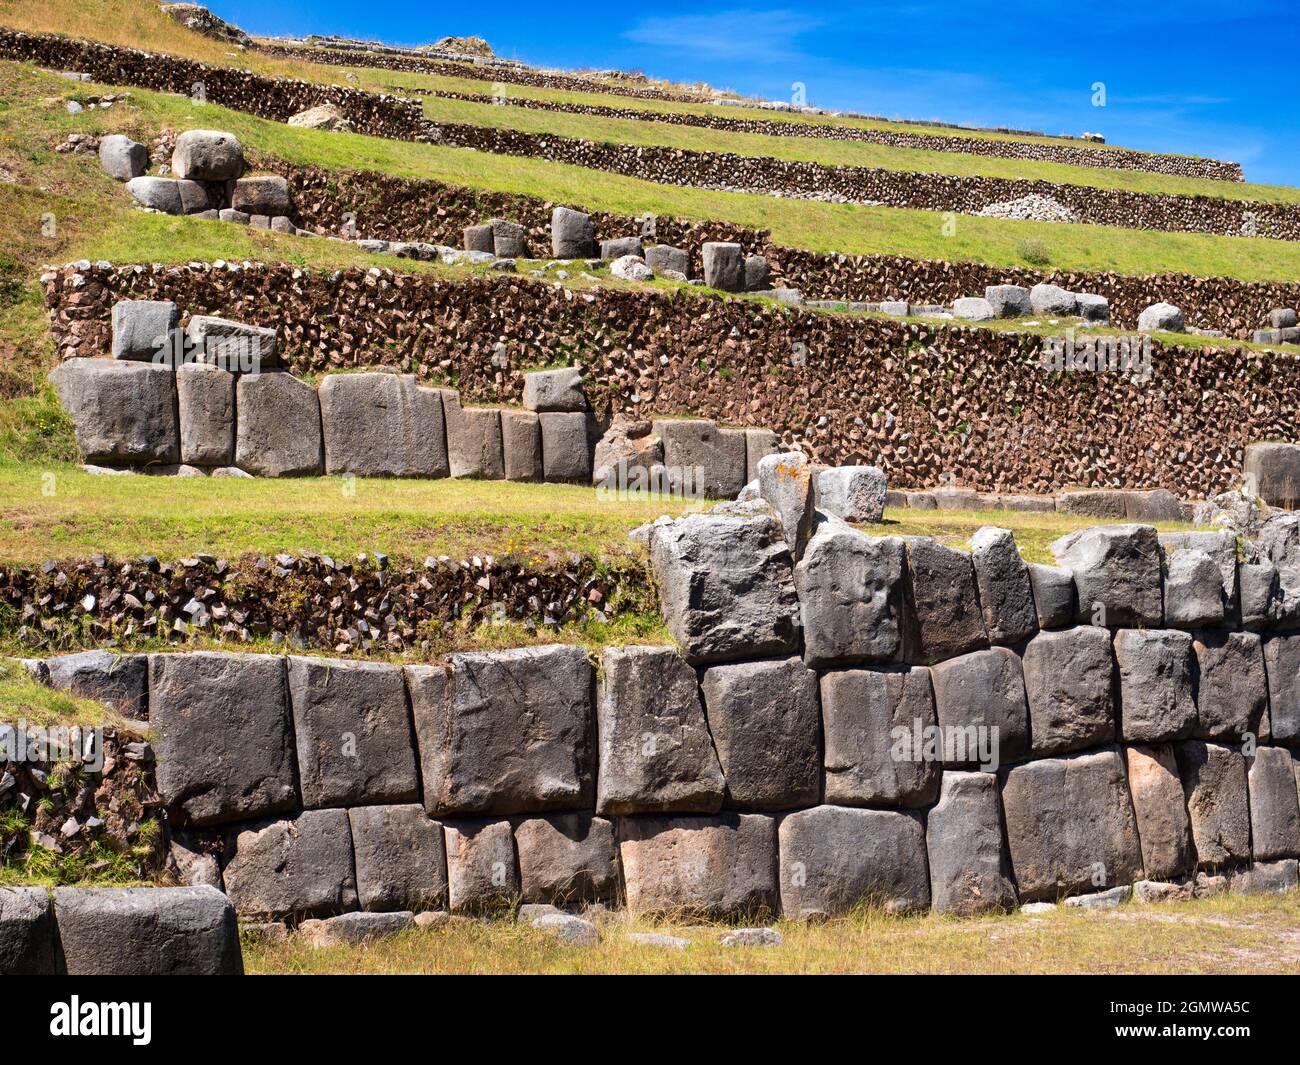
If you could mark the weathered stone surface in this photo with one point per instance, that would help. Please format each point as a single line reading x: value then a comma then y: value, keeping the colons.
x: 382, y: 425
x: 568, y: 929
x: 1232, y: 689
x: 1157, y: 793
x: 661, y: 257
x: 1070, y: 825
x: 1193, y: 591
x: 1005, y: 593
x: 1222, y: 549
x: 565, y: 454
x: 1148, y: 891
x: 222, y: 735
x: 698, y: 452
x: 150, y: 931
x: 973, y: 309
x: 1161, y: 318
x: 555, y: 390
x: 970, y: 871
x: 757, y: 273
x: 194, y: 859
x: 1261, y: 596
x: 835, y: 857
x: 401, y: 861
x: 631, y: 268
x: 474, y: 446
x: 860, y: 710
x: 656, y: 755
x: 233, y: 345
x: 509, y: 239
x: 504, y: 732
x: 941, y: 609
x: 1274, y: 804
x: 1094, y: 502
x: 521, y: 442
x: 628, y: 457
x: 981, y: 708
x: 1266, y: 878
x: 764, y: 718
x: 354, y: 927
x: 157, y: 193
x: 1053, y: 589
x: 278, y: 431
x: 1008, y: 301
x: 122, y: 412
x: 1159, y: 504
x: 1116, y: 570
x: 1101, y: 900
x: 726, y: 587
x: 143, y: 328
x: 205, y: 396
x: 482, y: 874
x: 326, y: 116
x: 850, y: 589
x: 122, y: 158
x: 352, y: 730
x: 786, y: 482
x: 573, y: 234
x: 207, y: 155
x: 724, y: 266
x: 478, y: 238
x: 854, y: 493
x: 1155, y: 686
x: 1053, y: 300
x: 617, y: 247
x: 120, y: 682
x: 759, y: 443
x: 566, y: 859
x: 268, y: 195
x: 1282, y: 664
x: 291, y: 868
x: 716, y: 868
x: 1272, y: 470
x: 27, y: 938
x: 1068, y: 677
x: 1093, y: 308
x: 1214, y: 786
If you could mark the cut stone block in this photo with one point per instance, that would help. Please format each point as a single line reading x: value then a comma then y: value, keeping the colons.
x: 1274, y: 805
x: 1232, y: 689
x: 1053, y: 589
x: 699, y: 453
x: 566, y: 455
x: 661, y: 257
x: 1068, y: 679
x: 382, y: 425
x: 981, y: 708
x: 1159, y: 805
x: 566, y: 859
x: 1193, y: 591
x: 354, y: 927
x: 207, y: 155
x: 1093, y: 308
x: 27, y: 936
x: 1053, y: 300
x: 521, y: 441
x: 785, y: 481
x: 573, y: 234
x: 156, y: 193
x: 1272, y: 470
x: 970, y: 871
x: 1008, y: 301
x: 278, y: 431
x: 1155, y: 686
x: 123, y: 413
x: 618, y: 247
x: 268, y: 195
x: 120, y: 682
x: 482, y: 874
x: 401, y: 860
x: 1222, y: 549
x: 122, y: 158
x: 143, y: 328
x: 1159, y: 504
x: 834, y: 858
x: 1261, y: 596
x: 234, y: 346
x: 474, y: 446
x: 1005, y: 594
x: 555, y: 390
x: 291, y: 868
x: 205, y: 396
x: 759, y: 443
x: 1116, y: 570
x: 724, y: 266
x: 1282, y: 663
x: 1094, y: 503
x: 509, y: 239
x: 1218, y: 807
x: 478, y: 238
x: 1266, y: 878
x: 854, y: 493
x: 942, y: 609
x: 973, y: 309
x: 1161, y: 318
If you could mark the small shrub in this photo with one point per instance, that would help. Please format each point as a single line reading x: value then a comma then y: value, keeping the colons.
x: 1033, y: 250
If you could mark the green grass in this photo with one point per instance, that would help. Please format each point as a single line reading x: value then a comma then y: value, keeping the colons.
x: 22, y: 698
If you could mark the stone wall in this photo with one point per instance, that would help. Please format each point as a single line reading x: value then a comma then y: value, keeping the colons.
x: 917, y: 400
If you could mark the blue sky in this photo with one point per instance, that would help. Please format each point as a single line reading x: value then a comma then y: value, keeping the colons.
x: 1198, y: 76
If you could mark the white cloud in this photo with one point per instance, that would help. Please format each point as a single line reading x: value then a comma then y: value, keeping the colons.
x: 749, y: 35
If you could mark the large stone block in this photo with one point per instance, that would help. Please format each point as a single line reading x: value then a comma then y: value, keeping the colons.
x: 143, y: 329
x: 122, y: 158
x: 864, y: 712
x: 266, y: 194
x: 1070, y: 825
x: 854, y: 493
x: 291, y: 868
x: 1222, y: 549
x: 834, y: 858
x: 942, y: 608
x: 521, y: 442
x: 764, y: 717
x: 1053, y: 300
x: 850, y: 589
x: 1261, y: 595
x: 1274, y: 804
x: 1272, y: 471
x: 566, y: 455
x: 970, y: 871
x: 479, y: 238
x: 1009, y: 301
x: 573, y: 234
x: 205, y: 396
x: 234, y: 346
x: 726, y: 586
x: 785, y: 482
x: 981, y: 708
x: 1282, y: 664
x: 509, y: 239
x: 697, y: 452
x: 123, y: 413
x: 547, y: 391
x: 27, y: 937
x: 1161, y: 318
x: 401, y: 861
x: 382, y: 425
x: 1068, y: 680
x: 352, y: 729
x: 147, y: 931
x: 1158, y: 803
x: 208, y: 155
x: 1155, y: 685
x: 617, y: 247
x: 504, y: 732
x: 120, y: 682
x: 724, y: 266
x: 1193, y: 591
x: 1116, y: 570
x: 663, y: 257
x: 278, y: 431
x: 715, y: 868
x: 474, y: 446
x: 1053, y: 589
x: 759, y: 443
x: 161, y: 194
x: 656, y: 755
x: 482, y: 873
x: 566, y: 859
x: 1218, y: 807
x: 1005, y: 593
x: 222, y: 735
x: 1232, y: 689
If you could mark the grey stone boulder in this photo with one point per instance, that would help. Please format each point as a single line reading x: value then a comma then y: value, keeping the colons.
x: 354, y: 927
x: 656, y: 755
x: 1266, y: 878
x: 1070, y: 825
x: 1273, y: 471
x: 1282, y: 664
x: 970, y: 870
x: 1008, y: 301
x: 854, y: 493
x: 1053, y: 589
x: 565, y: 859
x: 509, y: 239
x: 1159, y: 504
x: 382, y: 425
x: 726, y: 586
x: 1094, y: 502
x: 711, y: 460
x: 1274, y: 804
x: 764, y: 719
x: 981, y: 709
x: 27, y: 935
x: 1218, y: 806
x: 482, y: 872
x: 1159, y: 806
x: 833, y: 858
x: 147, y: 931
x: 1221, y: 547
x: 291, y: 868
x: 352, y: 731
x: 1193, y: 591
x: 504, y: 732
x: 724, y: 266
x: 973, y: 309
x: 1068, y: 681
x: 268, y: 195
x: 573, y: 234
x: 521, y: 445
x: 1261, y: 596
x: 942, y: 611
x: 478, y: 238
x: 759, y: 443
x: 205, y: 400
x: 229, y: 214
x: 474, y: 443
x: 122, y: 158
x: 861, y: 709
x: 850, y: 589
x: 628, y: 456
x: 401, y: 860
x: 120, y: 682
x: 222, y: 735
x: 662, y: 257
x: 123, y: 413
x: 157, y: 193
x: 554, y: 390
x: 1053, y: 300
x: 1093, y: 308
x: 194, y: 857
x: 757, y: 273
x: 1002, y: 579
x: 618, y: 247
x: 207, y: 155
x: 1232, y: 687
x: 1161, y: 318
x: 234, y: 346
x: 568, y: 929
x: 630, y: 268
x: 142, y: 329
x: 1155, y: 685
x: 1117, y: 575
x: 566, y: 455
x: 786, y: 482
x: 277, y: 431
x: 714, y: 868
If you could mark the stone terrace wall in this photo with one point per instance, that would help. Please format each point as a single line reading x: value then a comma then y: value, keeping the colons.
x: 919, y: 401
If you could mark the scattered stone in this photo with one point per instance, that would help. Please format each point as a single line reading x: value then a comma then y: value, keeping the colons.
x: 157, y: 193
x: 1161, y: 318
x: 354, y: 928
x: 973, y: 309
x: 658, y: 939
x: 1096, y: 309
x: 631, y: 268
x: 1101, y: 900
x: 1266, y: 878
x: 323, y: 116
x: 663, y: 258
x: 555, y: 390
x: 1149, y: 891
x: 569, y: 930
x: 751, y: 937
x: 621, y: 247
x: 573, y: 234
x: 233, y: 345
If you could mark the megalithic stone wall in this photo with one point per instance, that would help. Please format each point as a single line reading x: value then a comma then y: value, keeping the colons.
x: 973, y: 734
